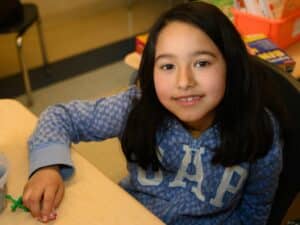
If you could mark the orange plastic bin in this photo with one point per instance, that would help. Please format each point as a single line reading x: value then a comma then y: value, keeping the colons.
x: 283, y: 32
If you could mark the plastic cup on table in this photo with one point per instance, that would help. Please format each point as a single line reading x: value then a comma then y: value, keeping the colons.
x: 3, y: 180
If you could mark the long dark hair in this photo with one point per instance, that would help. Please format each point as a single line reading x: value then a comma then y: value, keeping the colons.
x: 241, y: 115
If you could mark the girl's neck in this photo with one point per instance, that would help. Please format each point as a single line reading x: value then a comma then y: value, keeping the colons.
x: 196, y: 129
x: 195, y: 133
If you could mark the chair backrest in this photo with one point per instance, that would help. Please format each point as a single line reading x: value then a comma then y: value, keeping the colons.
x: 10, y: 12
x: 289, y: 183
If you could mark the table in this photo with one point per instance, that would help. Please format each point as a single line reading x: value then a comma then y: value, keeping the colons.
x: 90, y: 197
x: 133, y: 59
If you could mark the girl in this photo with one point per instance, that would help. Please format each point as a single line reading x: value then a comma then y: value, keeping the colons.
x: 201, y: 146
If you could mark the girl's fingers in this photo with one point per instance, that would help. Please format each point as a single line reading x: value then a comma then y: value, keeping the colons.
x: 59, y: 196
x: 32, y: 200
x: 48, y: 201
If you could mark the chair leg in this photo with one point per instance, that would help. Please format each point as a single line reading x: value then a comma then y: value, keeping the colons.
x: 129, y: 4
x: 24, y: 71
x: 42, y: 42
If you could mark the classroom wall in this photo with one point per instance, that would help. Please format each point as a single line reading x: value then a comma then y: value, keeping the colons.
x: 54, y: 13
x: 53, y: 7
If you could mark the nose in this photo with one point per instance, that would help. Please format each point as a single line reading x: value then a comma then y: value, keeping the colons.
x: 185, y: 79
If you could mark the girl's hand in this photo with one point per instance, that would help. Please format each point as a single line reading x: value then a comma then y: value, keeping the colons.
x: 43, y: 193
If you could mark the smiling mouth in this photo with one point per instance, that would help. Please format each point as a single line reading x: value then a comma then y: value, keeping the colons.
x: 188, y: 100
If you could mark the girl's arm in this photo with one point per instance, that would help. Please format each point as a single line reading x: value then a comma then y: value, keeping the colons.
x: 261, y: 185
x: 63, y: 124
x: 57, y: 128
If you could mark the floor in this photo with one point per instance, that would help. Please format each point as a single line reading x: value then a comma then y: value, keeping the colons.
x: 90, y: 85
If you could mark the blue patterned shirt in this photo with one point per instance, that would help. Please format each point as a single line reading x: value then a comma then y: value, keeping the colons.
x: 190, y: 189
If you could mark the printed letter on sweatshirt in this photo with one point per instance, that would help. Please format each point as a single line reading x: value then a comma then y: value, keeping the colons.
x: 157, y: 177
x: 182, y: 171
x: 225, y: 185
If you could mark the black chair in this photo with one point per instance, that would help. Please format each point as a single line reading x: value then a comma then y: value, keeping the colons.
x: 288, y: 89
x: 28, y: 15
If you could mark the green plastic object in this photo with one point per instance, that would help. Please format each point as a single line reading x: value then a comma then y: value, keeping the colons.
x: 17, y: 203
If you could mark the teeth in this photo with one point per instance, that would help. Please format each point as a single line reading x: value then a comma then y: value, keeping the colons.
x: 188, y: 99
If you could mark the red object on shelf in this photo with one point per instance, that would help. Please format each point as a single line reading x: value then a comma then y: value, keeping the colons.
x: 140, y: 42
x: 283, y: 32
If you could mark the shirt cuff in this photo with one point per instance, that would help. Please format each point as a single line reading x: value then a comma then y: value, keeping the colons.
x: 56, y: 154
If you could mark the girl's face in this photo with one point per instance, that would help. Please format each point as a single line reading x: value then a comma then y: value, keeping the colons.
x: 189, y: 74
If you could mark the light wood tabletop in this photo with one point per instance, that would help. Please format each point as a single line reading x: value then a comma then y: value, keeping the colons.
x: 90, y: 197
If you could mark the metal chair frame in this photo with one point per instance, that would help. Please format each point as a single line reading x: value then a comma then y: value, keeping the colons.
x: 21, y: 30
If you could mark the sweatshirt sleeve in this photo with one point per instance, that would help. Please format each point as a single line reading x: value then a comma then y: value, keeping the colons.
x: 261, y: 185
x: 63, y: 124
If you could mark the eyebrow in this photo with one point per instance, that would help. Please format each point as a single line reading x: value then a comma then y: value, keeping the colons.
x: 196, y: 53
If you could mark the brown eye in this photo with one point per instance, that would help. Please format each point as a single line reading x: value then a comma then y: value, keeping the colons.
x: 199, y: 64
x: 167, y: 66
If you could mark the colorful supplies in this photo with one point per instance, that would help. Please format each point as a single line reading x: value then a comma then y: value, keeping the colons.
x: 264, y: 48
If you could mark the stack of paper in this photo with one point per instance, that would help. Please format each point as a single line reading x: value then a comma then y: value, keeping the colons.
x: 272, y: 9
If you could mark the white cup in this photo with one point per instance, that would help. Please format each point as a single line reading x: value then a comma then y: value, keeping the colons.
x: 3, y: 180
